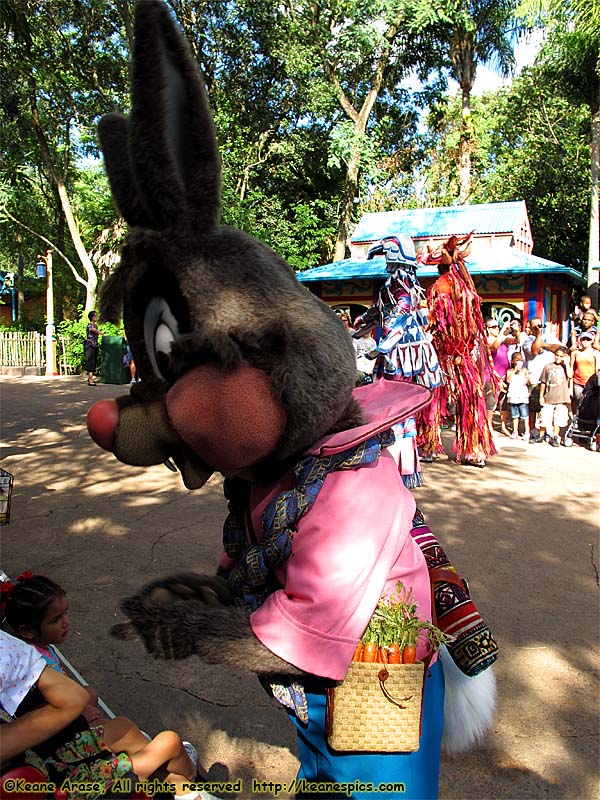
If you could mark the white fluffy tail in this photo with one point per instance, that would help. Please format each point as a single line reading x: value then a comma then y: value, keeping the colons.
x: 468, y: 708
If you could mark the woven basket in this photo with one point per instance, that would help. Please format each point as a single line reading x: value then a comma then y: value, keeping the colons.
x: 376, y: 708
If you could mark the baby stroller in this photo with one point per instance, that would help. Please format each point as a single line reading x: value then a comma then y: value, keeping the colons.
x: 586, y: 425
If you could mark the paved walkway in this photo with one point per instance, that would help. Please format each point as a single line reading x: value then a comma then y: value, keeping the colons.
x: 524, y: 531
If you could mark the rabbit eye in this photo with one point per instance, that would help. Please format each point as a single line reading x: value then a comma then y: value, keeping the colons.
x: 160, y: 331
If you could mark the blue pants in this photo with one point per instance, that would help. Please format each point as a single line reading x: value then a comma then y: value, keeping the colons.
x: 419, y: 771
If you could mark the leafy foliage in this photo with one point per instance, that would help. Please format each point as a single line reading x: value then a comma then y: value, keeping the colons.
x: 323, y: 111
x: 64, y: 65
x: 74, y: 332
x: 539, y: 151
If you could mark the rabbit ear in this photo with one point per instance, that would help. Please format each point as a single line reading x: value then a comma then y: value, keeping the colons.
x: 174, y: 150
x: 113, y: 292
x: 113, y: 132
x: 171, y: 155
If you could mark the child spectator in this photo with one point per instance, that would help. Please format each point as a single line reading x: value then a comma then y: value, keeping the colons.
x: 52, y: 736
x: 518, y: 382
x: 538, y: 348
x: 555, y: 396
x: 36, y: 609
x: 499, y: 341
x: 37, y: 613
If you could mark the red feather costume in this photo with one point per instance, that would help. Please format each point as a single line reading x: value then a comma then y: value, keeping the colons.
x: 458, y: 332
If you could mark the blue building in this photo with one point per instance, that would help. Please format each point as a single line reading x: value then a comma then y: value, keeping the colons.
x: 512, y: 282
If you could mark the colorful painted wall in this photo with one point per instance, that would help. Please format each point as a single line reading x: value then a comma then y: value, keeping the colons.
x: 506, y: 296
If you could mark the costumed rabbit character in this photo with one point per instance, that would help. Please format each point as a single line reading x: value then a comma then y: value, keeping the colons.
x: 246, y: 373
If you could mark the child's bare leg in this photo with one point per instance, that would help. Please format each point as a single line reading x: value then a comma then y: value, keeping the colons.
x: 122, y: 735
x: 166, y: 748
x: 515, y: 424
x: 526, y: 425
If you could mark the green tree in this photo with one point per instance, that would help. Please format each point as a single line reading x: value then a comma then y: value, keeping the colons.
x: 355, y: 54
x: 480, y: 32
x: 277, y: 184
x: 535, y: 146
x: 571, y: 63
x: 63, y: 67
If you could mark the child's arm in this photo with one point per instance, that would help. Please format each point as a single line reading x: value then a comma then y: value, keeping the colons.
x: 568, y: 369
x: 542, y: 392
x: 509, y: 375
x: 92, y: 713
x: 66, y: 700
x: 569, y: 376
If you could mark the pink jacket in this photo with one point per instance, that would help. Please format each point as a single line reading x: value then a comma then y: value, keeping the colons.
x: 350, y: 549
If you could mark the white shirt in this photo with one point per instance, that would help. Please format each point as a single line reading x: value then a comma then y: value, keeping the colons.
x: 535, y: 364
x: 20, y: 667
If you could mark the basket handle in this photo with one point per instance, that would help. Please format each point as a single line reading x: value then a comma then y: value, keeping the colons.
x: 383, y: 675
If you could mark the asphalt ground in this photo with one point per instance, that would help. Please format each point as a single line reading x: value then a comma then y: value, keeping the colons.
x: 524, y: 531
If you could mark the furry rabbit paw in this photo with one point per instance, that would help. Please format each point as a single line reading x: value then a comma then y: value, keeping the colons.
x: 210, y: 590
x: 162, y: 628
x: 160, y: 615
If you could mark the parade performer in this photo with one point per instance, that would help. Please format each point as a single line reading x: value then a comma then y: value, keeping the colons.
x: 245, y: 372
x: 404, y: 352
x: 458, y: 332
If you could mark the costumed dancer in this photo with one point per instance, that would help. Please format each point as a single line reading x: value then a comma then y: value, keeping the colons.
x: 458, y: 332
x: 403, y: 352
x: 268, y: 399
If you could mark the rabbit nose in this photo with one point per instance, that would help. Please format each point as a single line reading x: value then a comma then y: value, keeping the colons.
x: 102, y: 421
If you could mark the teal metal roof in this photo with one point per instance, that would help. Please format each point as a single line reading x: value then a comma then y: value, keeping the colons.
x: 501, y: 261
x: 423, y: 222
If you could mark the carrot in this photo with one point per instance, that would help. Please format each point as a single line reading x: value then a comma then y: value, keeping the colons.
x: 409, y: 654
x: 369, y: 652
x: 382, y: 655
x: 394, y: 655
x: 358, y: 652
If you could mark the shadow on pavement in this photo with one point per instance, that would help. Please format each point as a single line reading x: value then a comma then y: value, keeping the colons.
x: 524, y: 531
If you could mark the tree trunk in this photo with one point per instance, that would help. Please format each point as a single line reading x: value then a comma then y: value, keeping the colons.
x: 91, y: 280
x: 91, y: 284
x: 594, y: 244
x: 359, y: 119
x: 464, y: 167
x: 351, y: 183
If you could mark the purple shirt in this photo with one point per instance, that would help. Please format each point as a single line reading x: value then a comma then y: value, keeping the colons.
x: 501, y: 362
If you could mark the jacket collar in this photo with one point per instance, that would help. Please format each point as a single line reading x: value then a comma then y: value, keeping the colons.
x: 384, y: 403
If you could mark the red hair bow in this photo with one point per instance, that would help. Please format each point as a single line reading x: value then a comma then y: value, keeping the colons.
x: 25, y: 576
x: 6, y: 588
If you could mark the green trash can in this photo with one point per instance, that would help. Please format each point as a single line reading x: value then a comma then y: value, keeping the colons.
x: 112, y: 369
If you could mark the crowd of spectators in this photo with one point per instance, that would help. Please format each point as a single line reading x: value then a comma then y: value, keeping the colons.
x: 543, y: 379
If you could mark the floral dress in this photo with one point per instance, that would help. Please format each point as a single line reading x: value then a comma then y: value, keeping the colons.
x: 87, y: 758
